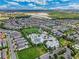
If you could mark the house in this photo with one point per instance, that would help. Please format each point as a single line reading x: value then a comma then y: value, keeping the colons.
x: 4, y: 43
x: 21, y: 47
x: 4, y: 54
x: 0, y: 55
x: 76, y: 46
x: 58, y: 33
x: 0, y: 42
x: 52, y: 44
x: 64, y: 52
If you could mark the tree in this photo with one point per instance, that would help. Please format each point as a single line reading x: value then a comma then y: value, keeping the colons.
x: 50, y: 57
x: 39, y: 57
x: 62, y: 57
x: 55, y: 56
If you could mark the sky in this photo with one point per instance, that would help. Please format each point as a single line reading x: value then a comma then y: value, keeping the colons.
x: 39, y: 4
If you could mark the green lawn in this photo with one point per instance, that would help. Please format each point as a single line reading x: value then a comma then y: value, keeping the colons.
x: 31, y: 53
x: 30, y: 30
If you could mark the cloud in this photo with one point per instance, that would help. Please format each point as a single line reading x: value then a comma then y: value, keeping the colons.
x: 32, y: 5
x: 10, y: 5
x: 65, y: 0
x: 13, y: 3
x: 39, y: 8
x: 42, y: 2
x: 74, y: 6
x: 3, y: 6
x: 70, y: 6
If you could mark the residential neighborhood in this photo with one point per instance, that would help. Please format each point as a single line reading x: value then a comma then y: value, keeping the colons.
x: 38, y: 37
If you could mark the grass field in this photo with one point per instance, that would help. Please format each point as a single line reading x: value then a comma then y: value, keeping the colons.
x: 31, y: 53
x: 30, y: 30
x: 64, y: 14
